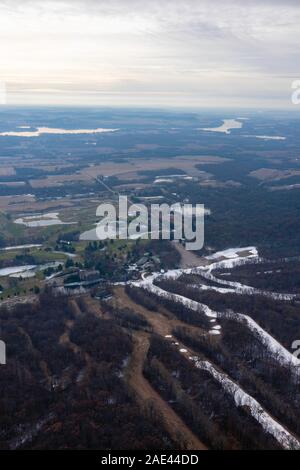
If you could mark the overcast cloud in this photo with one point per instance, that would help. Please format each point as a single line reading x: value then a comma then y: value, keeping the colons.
x: 159, y: 53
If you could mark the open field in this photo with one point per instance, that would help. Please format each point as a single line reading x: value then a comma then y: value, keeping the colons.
x: 130, y: 169
x: 272, y: 174
x: 7, y: 171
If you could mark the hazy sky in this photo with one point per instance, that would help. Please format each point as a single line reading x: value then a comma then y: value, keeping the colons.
x: 149, y: 52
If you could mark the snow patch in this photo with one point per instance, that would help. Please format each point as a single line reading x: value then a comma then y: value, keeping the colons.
x: 243, y: 399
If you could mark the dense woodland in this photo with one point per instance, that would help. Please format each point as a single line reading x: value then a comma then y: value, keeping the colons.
x: 64, y: 389
x: 66, y: 381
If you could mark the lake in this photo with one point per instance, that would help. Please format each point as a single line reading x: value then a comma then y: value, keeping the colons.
x: 226, y: 127
x: 48, y: 130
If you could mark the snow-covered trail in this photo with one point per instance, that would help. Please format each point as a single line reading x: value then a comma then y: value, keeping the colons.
x: 226, y: 259
x: 241, y: 398
x: 278, y: 352
x: 232, y: 258
x: 229, y: 259
x: 209, y: 263
x: 236, y: 286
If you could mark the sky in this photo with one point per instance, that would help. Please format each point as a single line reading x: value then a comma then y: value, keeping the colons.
x: 179, y: 53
